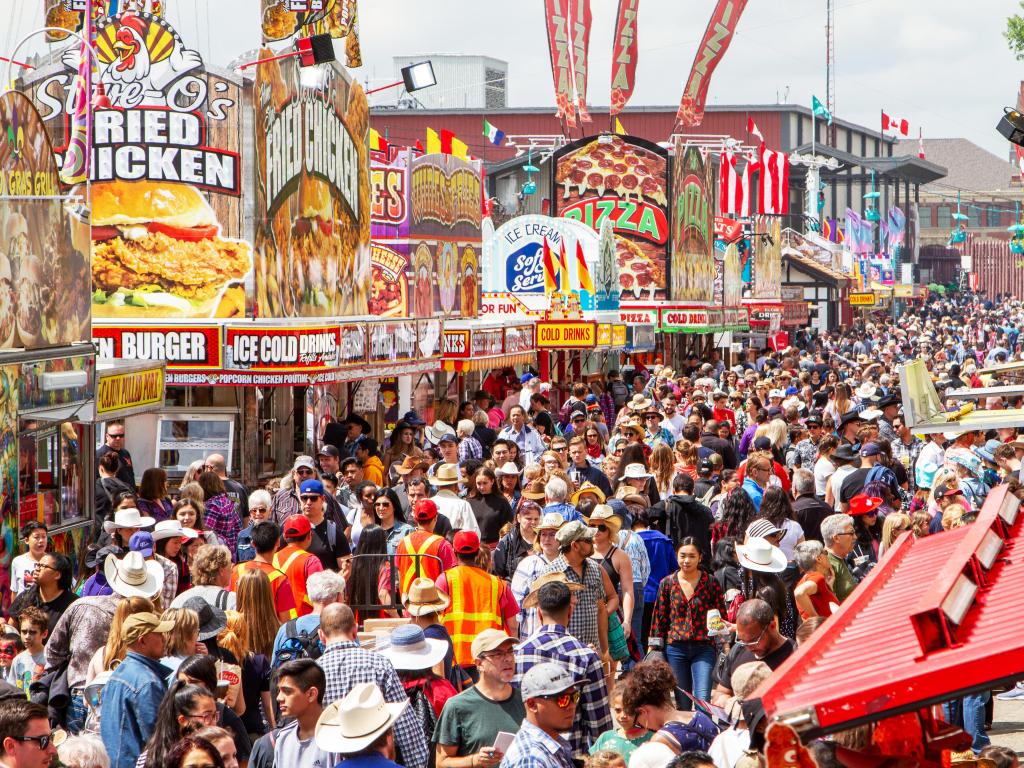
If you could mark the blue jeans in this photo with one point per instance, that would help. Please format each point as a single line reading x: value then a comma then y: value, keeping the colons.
x: 691, y: 663
x: 76, y: 712
x: 636, y: 624
x: 969, y: 713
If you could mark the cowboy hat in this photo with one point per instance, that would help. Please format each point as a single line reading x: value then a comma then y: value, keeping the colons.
x: 423, y: 598
x: 849, y: 417
x: 351, y: 724
x: 508, y: 469
x: 134, y: 576
x: 411, y: 650
x: 845, y: 453
x: 212, y: 620
x: 759, y: 554
x: 551, y: 521
x: 865, y: 391
x: 437, y: 432
x: 628, y: 425
x: 635, y: 472
x: 587, y: 487
x: 127, y: 518
x: 639, y: 403
x: 605, y: 515
x: 871, y: 414
x: 534, y: 490
x: 410, y: 463
x: 558, y: 577
x: 862, y: 504
x: 445, y: 474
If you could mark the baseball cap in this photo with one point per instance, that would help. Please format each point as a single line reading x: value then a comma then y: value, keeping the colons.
x: 424, y: 510
x: 942, y: 490
x: 813, y: 419
x: 296, y: 527
x: 705, y: 465
x: 312, y: 486
x: 489, y: 640
x: 870, y: 449
x: 141, y: 542
x: 526, y: 377
x: 545, y: 679
x: 304, y: 461
x: 139, y: 624
x: 578, y: 415
x: 466, y: 542
x: 329, y: 450
x: 448, y: 437
x: 762, y: 444
x: 574, y: 531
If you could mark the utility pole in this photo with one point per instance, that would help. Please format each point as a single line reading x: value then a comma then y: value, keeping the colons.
x: 830, y: 64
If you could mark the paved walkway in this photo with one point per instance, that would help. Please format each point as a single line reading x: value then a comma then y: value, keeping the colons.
x: 1008, y: 725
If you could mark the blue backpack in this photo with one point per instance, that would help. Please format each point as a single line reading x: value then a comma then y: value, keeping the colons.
x: 298, y: 645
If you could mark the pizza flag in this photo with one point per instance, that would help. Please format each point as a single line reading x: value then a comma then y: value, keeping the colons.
x: 624, y: 54
x: 560, y: 49
x: 717, y: 36
x: 586, y: 283
x: 563, y: 269
x: 550, y: 274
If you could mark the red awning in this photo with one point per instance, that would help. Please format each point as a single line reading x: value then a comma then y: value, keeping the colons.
x: 937, y: 617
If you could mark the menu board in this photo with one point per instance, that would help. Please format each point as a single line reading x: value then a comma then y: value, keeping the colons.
x: 624, y: 180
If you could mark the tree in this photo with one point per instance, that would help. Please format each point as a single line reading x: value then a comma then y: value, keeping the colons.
x: 1014, y: 34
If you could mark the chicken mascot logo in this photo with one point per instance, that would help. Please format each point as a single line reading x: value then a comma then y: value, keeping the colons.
x: 143, y: 62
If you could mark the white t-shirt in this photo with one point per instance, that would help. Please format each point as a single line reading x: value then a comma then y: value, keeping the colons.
x: 823, y: 469
x: 932, y: 453
x: 794, y: 532
x: 837, y: 482
x: 21, y: 573
x: 729, y: 746
x: 289, y: 749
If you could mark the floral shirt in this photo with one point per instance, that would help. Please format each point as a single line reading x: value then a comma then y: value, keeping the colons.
x: 677, y: 619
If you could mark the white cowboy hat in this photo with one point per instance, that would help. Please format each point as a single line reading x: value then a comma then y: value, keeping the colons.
x: 446, y: 474
x: 171, y: 529
x: 866, y: 390
x: 437, y: 431
x: 759, y: 554
x: 353, y: 723
x: 635, y: 472
x: 411, y: 650
x: 508, y: 468
x: 134, y: 576
x: 127, y: 518
x: 870, y: 414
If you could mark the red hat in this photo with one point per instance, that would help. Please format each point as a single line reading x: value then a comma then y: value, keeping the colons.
x: 467, y: 542
x: 862, y: 504
x: 297, y: 527
x: 424, y: 510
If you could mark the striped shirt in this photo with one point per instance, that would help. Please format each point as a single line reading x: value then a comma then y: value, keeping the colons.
x: 583, y: 623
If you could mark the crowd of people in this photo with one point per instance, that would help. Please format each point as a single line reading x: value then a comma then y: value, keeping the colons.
x: 538, y: 577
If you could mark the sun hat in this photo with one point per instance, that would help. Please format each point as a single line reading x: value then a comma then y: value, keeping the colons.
x: 545, y: 679
x: 556, y: 577
x: 968, y: 461
x: 862, y: 504
x: 424, y: 510
x: 587, y: 487
x: 551, y: 521
x: 128, y: 518
x: 508, y: 469
x: 575, y: 530
x: 212, y: 620
x: 635, y: 472
x: 438, y: 430
x: 141, y: 542
x: 605, y: 515
x: 534, y: 490
x: 758, y: 554
x: 411, y: 650
x: 296, y: 527
x: 134, y: 576
x: 488, y: 640
x: 351, y: 724
x: 763, y: 528
x: 138, y: 625
x: 987, y: 451
x: 445, y: 474
x: 466, y: 542
x: 410, y: 463
x: 639, y: 403
x: 423, y: 598
x: 171, y: 529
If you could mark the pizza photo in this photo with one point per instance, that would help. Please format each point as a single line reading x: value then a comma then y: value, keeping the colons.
x: 615, y: 166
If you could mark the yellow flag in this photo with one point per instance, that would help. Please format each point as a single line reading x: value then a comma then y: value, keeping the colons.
x: 460, y: 149
x: 618, y: 127
x: 433, y: 142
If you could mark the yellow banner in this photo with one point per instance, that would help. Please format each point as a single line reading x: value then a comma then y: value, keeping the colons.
x: 604, y: 334
x: 566, y: 335
x: 618, y: 336
x: 862, y: 299
x: 129, y: 390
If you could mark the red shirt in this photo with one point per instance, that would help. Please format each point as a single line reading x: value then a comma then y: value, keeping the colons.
x: 822, y: 599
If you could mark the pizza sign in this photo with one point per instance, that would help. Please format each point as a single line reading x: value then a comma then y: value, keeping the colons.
x: 623, y: 180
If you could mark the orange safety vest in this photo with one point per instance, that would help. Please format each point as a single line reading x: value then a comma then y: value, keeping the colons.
x: 418, y: 543
x: 291, y: 561
x: 474, y: 594
x: 273, y: 574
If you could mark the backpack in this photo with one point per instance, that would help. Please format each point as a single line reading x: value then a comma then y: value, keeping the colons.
x: 298, y: 645
x: 619, y: 392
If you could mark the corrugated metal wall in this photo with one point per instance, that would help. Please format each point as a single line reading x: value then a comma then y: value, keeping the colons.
x: 997, y: 268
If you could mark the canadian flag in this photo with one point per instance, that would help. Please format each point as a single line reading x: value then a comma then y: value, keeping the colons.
x: 895, y: 125
x: 774, y: 181
x: 753, y: 129
x: 733, y: 189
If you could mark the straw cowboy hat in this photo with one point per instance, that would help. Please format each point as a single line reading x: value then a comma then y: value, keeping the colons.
x: 534, y: 490
x: 508, y: 469
x: 134, y: 576
x: 587, y: 487
x: 628, y: 425
x: 410, y: 463
x: 759, y: 554
x: 171, y: 529
x: 551, y: 521
x: 635, y: 472
x: 639, y: 403
x: 605, y: 515
x: 559, y: 577
x: 446, y: 474
x: 353, y: 723
x: 411, y: 650
x: 424, y: 598
x: 127, y: 518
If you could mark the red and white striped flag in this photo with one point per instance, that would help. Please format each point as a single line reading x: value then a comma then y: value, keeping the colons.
x: 774, y: 181
x: 895, y: 125
x: 752, y: 129
x: 920, y: 143
x: 733, y: 188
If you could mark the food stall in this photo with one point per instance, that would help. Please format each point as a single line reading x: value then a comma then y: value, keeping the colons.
x: 469, y: 348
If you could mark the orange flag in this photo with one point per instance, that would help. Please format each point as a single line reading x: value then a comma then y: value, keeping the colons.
x: 550, y: 270
x: 586, y: 283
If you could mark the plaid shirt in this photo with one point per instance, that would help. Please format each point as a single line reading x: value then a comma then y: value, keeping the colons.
x: 583, y: 623
x: 533, y: 748
x: 907, y: 455
x: 222, y: 519
x: 345, y: 665
x: 170, y: 588
x: 470, y: 448
x: 527, y: 571
x: 551, y: 642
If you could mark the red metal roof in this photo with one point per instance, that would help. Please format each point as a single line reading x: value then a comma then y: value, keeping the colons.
x: 893, y: 646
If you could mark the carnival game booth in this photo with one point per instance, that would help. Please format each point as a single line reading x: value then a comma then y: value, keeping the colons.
x: 931, y: 623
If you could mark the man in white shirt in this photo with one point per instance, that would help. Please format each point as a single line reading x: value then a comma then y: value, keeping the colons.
x: 673, y: 421
x: 531, y: 446
x: 933, y: 452
x: 456, y: 509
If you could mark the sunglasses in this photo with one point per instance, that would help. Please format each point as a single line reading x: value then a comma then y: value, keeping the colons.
x: 309, y: 496
x: 602, y: 528
x: 260, y: 508
x: 563, y: 700
x: 381, y: 504
x: 755, y: 641
x: 304, y: 471
x: 43, y: 741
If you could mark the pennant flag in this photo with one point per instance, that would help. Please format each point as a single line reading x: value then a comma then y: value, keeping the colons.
x: 895, y: 125
x: 586, y: 283
x: 624, y: 55
x: 563, y: 269
x: 754, y: 130
x: 618, y: 127
x: 495, y: 136
x: 451, y: 145
x: 774, y: 181
x: 717, y: 36
x: 75, y: 166
x: 550, y: 273
x: 377, y: 142
x: 433, y: 142
x: 819, y: 110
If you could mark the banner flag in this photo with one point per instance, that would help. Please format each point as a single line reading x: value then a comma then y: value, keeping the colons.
x: 718, y: 35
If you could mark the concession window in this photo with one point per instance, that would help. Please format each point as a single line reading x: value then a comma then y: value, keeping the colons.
x: 937, y: 618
